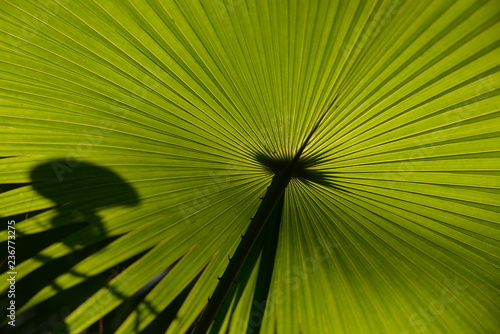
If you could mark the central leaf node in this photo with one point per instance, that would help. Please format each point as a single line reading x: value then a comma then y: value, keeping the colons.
x: 304, y: 169
x: 276, y: 165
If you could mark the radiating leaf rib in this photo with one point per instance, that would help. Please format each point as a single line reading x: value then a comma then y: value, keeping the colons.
x: 398, y: 231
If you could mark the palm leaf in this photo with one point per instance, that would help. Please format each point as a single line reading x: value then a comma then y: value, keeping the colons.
x: 143, y: 134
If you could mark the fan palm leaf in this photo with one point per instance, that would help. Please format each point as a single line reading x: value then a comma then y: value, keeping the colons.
x: 150, y: 131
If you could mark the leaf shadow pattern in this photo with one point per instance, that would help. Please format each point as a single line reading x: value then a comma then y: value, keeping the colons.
x: 80, y: 192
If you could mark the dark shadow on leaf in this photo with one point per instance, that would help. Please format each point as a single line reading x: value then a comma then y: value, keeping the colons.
x: 79, y: 191
x: 304, y: 169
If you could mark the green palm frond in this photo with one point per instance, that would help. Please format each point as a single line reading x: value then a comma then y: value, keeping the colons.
x: 139, y: 139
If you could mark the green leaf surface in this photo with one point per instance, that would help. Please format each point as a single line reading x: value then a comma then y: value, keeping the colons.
x: 150, y: 130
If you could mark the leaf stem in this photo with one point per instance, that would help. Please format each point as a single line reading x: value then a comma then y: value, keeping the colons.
x: 273, y: 195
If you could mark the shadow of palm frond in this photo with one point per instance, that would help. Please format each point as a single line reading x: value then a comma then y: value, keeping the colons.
x: 80, y: 192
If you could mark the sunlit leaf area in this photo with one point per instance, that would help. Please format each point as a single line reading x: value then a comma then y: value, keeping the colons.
x: 249, y: 166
